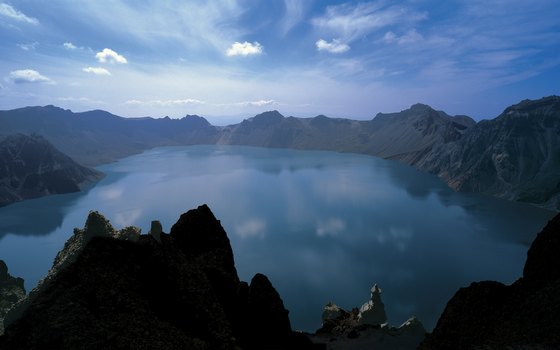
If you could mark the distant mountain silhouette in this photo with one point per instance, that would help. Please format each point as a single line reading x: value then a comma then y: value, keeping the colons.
x: 515, y: 156
x: 31, y: 167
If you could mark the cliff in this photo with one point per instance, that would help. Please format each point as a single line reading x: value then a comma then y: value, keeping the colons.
x: 31, y: 167
x: 122, y: 290
x: 493, y: 316
x: 11, y: 291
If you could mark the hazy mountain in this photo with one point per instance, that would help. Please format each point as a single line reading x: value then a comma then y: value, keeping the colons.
x: 98, y: 137
x: 31, y: 167
x: 515, y: 156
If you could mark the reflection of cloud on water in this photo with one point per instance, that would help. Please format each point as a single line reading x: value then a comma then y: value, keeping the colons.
x: 126, y: 218
x: 111, y: 193
x: 330, y: 227
x: 397, y: 236
x: 251, y: 228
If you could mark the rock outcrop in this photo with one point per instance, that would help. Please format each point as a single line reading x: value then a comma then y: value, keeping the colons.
x: 524, y: 315
x: 109, y: 291
x: 366, y: 328
x: 11, y: 291
x: 373, y: 312
x: 31, y: 167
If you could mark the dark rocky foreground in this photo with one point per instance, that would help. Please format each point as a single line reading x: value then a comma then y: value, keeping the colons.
x: 112, y: 289
x: 121, y: 290
x: 525, y: 315
x: 11, y: 291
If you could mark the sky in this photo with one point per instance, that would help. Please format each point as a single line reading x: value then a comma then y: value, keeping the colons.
x: 231, y: 59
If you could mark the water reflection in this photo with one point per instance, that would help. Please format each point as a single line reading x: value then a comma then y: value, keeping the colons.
x: 323, y: 226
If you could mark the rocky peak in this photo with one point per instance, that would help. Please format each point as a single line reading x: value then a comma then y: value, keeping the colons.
x: 199, y: 233
x: 266, y: 118
x: 543, y: 259
x: 195, y: 120
x: 373, y: 312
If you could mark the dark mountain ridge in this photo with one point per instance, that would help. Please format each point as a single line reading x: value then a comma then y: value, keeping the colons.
x: 515, y: 156
x: 31, y: 167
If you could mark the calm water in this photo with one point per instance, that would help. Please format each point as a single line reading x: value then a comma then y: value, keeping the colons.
x: 323, y: 226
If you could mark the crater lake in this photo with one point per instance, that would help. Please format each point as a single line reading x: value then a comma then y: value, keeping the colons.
x: 323, y: 226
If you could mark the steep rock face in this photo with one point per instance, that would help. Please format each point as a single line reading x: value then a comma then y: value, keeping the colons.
x: 410, y: 134
x: 31, y: 167
x: 515, y: 156
x: 180, y: 293
x: 490, y: 315
x: 11, y: 291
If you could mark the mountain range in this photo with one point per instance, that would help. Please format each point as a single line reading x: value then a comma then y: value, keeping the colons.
x: 515, y: 156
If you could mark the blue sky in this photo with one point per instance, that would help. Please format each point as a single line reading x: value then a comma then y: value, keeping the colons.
x: 228, y: 59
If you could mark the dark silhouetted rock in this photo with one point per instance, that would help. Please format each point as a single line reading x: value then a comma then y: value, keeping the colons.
x: 182, y: 293
x: 524, y: 315
x: 11, y: 291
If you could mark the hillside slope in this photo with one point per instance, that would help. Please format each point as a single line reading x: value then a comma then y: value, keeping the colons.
x: 31, y: 167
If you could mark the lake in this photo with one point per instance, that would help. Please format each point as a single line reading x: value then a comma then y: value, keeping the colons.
x: 323, y: 226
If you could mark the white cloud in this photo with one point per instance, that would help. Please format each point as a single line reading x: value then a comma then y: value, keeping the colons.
x: 410, y: 37
x: 68, y: 45
x: 244, y: 49
x: 258, y: 103
x: 10, y: 12
x: 165, y: 103
x: 28, y: 47
x: 82, y: 100
x: 108, y: 55
x: 96, y: 70
x: 27, y: 76
x: 335, y: 46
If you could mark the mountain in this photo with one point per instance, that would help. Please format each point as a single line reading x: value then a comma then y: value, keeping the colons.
x: 31, y: 167
x: 113, y: 289
x: 515, y: 156
x: 524, y: 315
x: 98, y: 137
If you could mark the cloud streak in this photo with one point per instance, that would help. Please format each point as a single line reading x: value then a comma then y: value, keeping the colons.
x: 11, y: 13
x: 23, y: 76
x: 165, y: 103
x: 96, y: 70
x: 351, y: 21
